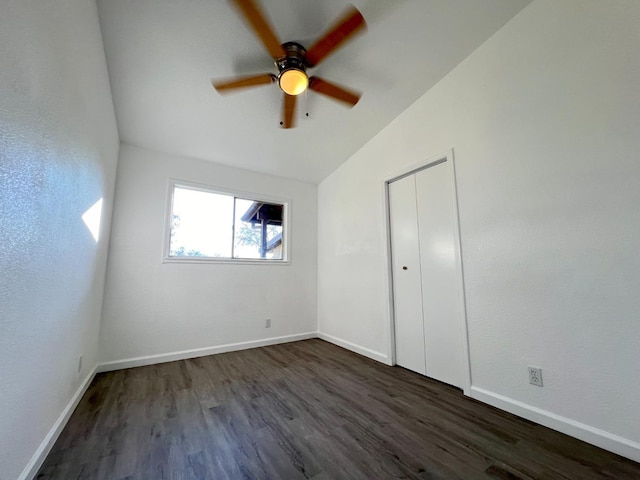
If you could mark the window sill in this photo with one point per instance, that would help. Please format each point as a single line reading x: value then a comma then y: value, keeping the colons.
x: 230, y: 261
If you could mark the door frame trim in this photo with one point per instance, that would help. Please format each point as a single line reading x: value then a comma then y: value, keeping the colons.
x: 445, y: 157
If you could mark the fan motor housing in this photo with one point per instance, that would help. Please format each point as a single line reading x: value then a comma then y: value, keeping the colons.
x: 292, y: 75
x: 296, y: 57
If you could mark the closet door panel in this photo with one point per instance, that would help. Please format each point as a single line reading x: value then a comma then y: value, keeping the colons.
x: 440, y: 289
x: 407, y: 285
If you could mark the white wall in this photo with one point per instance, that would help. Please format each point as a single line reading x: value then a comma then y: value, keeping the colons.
x: 544, y: 121
x: 154, y: 308
x: 58, y: 156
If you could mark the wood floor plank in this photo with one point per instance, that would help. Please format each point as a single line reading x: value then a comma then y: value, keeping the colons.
x: 305, y: 410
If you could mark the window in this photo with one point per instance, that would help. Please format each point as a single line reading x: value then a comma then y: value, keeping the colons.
x: 207, y: 224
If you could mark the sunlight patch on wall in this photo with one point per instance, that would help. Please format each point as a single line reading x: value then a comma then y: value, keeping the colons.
x: 92, y: 218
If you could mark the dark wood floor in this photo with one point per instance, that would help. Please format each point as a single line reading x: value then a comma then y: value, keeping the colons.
x: 305, y: 410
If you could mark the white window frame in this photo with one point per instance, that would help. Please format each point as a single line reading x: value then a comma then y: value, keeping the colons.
x: 286, y: 225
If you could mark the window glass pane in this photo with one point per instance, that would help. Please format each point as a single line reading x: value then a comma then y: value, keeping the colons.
x: 201, y: 224
x: 258, y: 230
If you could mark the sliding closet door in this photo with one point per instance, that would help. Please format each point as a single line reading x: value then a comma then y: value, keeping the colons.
x: 407, y: 284
x: 441, y: 297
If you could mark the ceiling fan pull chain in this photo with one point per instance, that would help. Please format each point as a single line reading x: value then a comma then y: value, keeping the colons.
x: 306, y: 103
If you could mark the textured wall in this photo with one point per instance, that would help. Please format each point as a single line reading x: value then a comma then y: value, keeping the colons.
x: 154, y: 308
x: 544, y: 122
x: 58, y: 155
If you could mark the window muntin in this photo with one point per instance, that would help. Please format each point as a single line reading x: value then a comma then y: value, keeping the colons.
x: 206, y: 224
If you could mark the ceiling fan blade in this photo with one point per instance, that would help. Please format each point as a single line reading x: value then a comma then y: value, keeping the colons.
x: 334, y: 91
x: 261, y: 27
x: 243, y: 82
x: 288, y: 111
x: 347, y: 25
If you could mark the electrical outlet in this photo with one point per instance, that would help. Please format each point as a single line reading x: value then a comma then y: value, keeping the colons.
x: 535, y: 376
x: 267, y: 323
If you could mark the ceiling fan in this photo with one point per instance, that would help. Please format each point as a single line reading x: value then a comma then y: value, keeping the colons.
x: 292, y: 60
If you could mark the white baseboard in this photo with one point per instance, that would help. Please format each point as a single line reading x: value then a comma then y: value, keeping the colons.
x: 367, y: 352
x: 200, y: 352
x: 600, y: 438
x: 45, y: 447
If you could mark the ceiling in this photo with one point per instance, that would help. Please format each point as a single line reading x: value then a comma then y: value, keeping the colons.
x: 163, y: 54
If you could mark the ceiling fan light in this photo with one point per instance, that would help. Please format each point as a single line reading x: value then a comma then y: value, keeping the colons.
x: 293, y: 81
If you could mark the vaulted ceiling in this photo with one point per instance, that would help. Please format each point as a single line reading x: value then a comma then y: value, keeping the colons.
x: 163, y: 54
